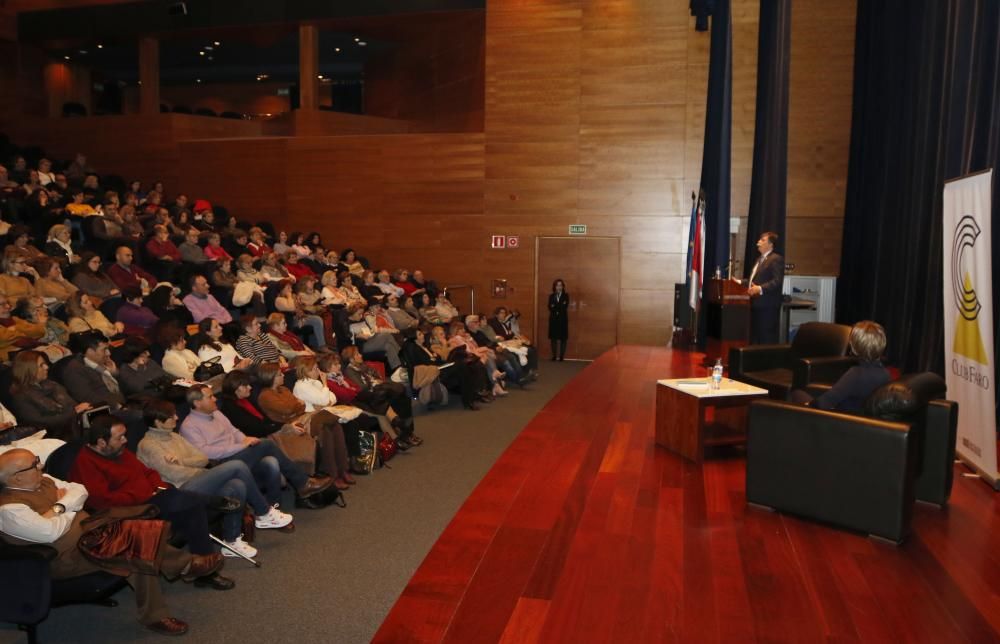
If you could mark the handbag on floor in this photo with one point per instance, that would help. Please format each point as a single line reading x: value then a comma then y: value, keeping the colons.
x: 364, y: 462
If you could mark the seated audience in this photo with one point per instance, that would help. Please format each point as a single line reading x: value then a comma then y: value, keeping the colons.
x: 369, y: 339
x: 59, y: 247
x: 125, y: 273
x: 853, y: 388
x: 296, y: 268
x: 286, y: 302
x: 179, y: 361
x: 202, y: 304
x: 209, y: 345
x: 289, y: 344
x: 139, y: 375
x: 210, y: 431
x: 85, y: 316
x: 138, y: 319
x: 114, y: 477
x: 214, y: 250
x: 13, y: 284
x: 183, y: 465
x: 40, y: 402
x: 51, y: 285
x: 254, y: 343
x: 16, y: 333
x: 38, y: 508
x: 281, y: 405
x: 93, y: 281
x: 190, y: 250
x: 379, y: 393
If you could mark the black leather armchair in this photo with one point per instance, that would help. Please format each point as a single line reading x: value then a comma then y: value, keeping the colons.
x: 817, y: 354
x: 859, y: 472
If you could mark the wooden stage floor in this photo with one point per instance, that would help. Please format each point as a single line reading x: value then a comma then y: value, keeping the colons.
x: 583, y: 531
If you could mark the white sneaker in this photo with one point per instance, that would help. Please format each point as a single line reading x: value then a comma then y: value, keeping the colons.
x: 239, y: 546
x: 274, y: 518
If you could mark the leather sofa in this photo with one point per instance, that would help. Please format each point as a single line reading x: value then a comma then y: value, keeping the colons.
x: 861, y: 472
x: 818, y: 353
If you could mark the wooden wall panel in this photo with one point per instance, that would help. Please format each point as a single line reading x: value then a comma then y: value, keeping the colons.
x: 593, y: 114
x: 434, y: 78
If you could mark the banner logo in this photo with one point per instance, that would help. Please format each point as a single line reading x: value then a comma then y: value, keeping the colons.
x: 967, y: 341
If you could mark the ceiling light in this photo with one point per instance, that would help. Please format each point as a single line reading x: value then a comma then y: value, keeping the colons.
x: 197, y: 80
x: 201, y: 53
x: 320, y: 77
x: 99, y: 46
x: 66, y: 57
x: 336, y: 49
x: 357, y: 40
x: 361, y: 43
x: 211, y: 58
x: 216, y: 43
x: 83, y: 51
x: 209, y: 48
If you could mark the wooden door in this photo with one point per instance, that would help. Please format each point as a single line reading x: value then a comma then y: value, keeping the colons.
x: 591, y: 268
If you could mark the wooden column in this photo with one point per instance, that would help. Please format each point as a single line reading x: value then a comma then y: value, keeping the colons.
x: 308, y: 67
x: 149, y: 75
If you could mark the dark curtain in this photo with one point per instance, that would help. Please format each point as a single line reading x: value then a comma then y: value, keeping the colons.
x: 716, y: 161
x: 926, y: 109
x: 769, y: 181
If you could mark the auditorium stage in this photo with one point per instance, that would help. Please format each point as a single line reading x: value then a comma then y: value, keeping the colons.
x: 583, y: 531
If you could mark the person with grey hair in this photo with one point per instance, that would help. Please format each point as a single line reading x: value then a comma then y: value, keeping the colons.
x: 38, y: 508
x: 849, y: 393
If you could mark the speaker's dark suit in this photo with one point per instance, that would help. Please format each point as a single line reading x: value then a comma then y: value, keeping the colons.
x: 765, y: 309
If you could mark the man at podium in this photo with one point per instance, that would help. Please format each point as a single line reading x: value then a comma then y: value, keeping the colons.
x: 764, y: 289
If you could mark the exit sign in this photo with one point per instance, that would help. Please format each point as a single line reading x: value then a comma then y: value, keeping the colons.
x: 578, y: 229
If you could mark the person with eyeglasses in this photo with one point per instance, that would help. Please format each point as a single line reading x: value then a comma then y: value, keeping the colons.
x: 38, y: 508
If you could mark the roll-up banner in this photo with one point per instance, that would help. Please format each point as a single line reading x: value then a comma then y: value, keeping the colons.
x: 968, y: 318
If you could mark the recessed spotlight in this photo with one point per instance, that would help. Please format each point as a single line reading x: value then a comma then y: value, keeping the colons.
x: 139, y: 83
x: 210, y: 58
x: 216, y: 43
x: 357, y: 40
x: 336, y: 49
x: 99, y: 46
x: 209, y: 48
x: 66, y: 57
x: 201, y: 53
x: 320, y: 77
x: 362, y: 43
x: 197, y: 80
x: 83, y: 51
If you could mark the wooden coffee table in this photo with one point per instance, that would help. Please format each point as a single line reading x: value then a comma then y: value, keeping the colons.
x: 691, y: 416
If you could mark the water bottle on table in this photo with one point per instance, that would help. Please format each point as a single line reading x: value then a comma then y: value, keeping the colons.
x: 717, y: 374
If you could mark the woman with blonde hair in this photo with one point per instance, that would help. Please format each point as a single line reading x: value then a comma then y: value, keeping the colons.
x: 85, y: 316
x: 58, y: 245
x: 332, y: 296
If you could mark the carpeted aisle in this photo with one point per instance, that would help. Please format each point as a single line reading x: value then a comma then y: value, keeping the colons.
x: 337, y: 576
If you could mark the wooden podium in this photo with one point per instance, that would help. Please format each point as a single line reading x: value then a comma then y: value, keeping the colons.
x: 728, y: 319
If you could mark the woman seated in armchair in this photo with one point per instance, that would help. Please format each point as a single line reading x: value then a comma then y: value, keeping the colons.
x: 853, y: 388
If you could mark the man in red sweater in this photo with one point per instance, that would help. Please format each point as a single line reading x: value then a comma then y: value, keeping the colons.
x: 124, y: 273
x: 115, y: 477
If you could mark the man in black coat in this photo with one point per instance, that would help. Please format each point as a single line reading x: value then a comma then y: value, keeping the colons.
x: 764, y: 289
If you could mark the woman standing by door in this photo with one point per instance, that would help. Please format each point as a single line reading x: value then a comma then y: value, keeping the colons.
x: 558, y: 319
